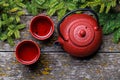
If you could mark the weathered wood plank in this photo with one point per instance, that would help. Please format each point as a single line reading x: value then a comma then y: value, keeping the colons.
x: 48, y: 45
x: 56, y: 66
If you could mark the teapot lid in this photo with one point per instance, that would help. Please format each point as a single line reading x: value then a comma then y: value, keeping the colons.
x: 81, y: 33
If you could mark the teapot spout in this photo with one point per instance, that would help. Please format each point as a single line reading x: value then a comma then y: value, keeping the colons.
x: 59, y: 41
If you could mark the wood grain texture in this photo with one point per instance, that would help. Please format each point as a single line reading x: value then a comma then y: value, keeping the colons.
x: 54, y: 66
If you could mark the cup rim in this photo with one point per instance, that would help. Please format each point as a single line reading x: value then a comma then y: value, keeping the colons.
x: 27, y: 62
x: 42, y: 37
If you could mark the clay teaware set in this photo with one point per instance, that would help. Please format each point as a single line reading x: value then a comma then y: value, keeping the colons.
x: 80, y: 35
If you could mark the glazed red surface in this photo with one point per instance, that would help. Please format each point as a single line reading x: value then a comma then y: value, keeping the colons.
x: 27, y: 52
x: 41, y: 27
x: 82, y: 36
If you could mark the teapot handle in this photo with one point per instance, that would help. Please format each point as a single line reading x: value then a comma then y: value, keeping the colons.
x: 71, y: 12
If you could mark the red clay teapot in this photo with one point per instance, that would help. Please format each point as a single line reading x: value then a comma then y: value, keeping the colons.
x: 80, y: 34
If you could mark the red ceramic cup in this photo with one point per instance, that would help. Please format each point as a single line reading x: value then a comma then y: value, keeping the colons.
x: 27, y: 52
x: 41, y: 27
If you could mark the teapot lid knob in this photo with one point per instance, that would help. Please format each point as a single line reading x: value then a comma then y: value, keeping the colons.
x: 82, y: 33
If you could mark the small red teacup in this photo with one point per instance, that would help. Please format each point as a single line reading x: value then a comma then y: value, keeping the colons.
x: 41, y: 27
x: 27, y: 52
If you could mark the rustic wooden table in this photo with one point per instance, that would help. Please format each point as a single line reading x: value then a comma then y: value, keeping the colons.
x: 55, y: 64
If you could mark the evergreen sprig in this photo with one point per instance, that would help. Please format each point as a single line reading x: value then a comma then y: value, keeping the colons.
x: 111, y: 24
x: 60, y: 7
x: 10, y: 12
